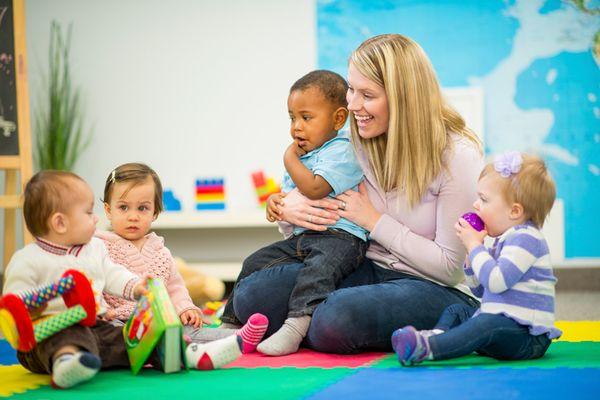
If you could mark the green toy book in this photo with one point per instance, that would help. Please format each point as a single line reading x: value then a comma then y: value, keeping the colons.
x: 155, y: 324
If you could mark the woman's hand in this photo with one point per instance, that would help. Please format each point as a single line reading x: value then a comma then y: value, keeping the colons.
x: 469, y: 236
x: 315, y: 215
x: 357, y: 207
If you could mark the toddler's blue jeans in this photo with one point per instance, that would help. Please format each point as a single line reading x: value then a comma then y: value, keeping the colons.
x: 492, y: 335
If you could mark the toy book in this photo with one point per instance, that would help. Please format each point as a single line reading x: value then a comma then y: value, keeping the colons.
x: 154, y: 324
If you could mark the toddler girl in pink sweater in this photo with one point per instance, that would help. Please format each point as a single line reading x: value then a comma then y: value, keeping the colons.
x: 132, y: 201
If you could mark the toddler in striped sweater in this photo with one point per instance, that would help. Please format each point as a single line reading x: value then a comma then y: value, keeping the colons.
x: 513, y: 277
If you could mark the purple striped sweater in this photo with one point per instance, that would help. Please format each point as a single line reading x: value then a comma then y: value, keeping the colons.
x: 515, y: 278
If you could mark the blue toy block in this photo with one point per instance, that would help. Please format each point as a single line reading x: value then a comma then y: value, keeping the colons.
x: 170, y: 202
x: 210, y: 206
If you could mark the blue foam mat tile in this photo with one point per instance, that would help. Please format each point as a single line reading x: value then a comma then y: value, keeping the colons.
x: 485, y: 384
x: 8, y: 355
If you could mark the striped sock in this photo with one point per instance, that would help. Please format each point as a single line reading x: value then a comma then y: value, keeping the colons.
x: 70, y: 369
x: 253, y: 332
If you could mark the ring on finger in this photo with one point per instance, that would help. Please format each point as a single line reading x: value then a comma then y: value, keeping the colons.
x: 343, y: 205
x: 310, y: 217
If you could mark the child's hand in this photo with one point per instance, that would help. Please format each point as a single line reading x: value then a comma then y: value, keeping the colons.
x: 469, y: 236
x: 109, y: 315
x: 140, y: 288
x: 273, y: 212
x: 191, y: 317
x: 294, y: 149
x: 37, y: 312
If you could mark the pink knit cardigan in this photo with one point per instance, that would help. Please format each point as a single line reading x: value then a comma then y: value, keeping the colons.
x: 155, y: 259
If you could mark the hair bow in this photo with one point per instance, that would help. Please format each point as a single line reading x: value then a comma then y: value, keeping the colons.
x: 509, y: 163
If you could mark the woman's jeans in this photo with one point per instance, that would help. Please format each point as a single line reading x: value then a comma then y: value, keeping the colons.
x: 328, y: 258
x: 492, y: 335
x: 361, y: 315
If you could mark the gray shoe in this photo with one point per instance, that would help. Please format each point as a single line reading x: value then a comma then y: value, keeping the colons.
x: 430, y: 332
x: 227, y: 325
x: 206, y: 335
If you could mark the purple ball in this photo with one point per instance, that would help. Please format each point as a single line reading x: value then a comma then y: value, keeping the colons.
x: 475, y: 221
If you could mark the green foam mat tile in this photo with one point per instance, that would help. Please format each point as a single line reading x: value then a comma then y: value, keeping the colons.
x: 257, y: 383
x: 560, y: 354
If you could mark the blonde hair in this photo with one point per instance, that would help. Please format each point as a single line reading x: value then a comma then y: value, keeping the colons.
x: 135, y: 173
x: 532, y: 187
x: 410, y: 156
x: 46, y: 193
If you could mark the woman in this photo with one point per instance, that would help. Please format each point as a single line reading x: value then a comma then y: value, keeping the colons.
x: 421, y: 166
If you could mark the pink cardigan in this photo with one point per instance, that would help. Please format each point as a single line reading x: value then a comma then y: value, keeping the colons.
x: 422, y: 241
x: 154, y: 258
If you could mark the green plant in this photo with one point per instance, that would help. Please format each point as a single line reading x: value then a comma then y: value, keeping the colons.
x: 59, y: 118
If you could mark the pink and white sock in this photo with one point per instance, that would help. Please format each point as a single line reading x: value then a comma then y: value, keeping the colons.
x: 252, y: 332
x: 215, y: 354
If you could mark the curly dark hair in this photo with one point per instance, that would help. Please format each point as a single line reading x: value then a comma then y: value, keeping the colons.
x: 332, y: 85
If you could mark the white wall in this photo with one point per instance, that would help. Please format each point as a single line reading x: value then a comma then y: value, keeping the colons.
x: 193, y: 88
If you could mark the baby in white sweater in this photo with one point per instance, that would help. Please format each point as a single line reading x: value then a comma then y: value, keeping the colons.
x: 58, y: 208
x: 59, y: 212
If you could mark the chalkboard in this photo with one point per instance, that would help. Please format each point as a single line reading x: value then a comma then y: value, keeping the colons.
x: 9, y: 135
x: 15, y: 142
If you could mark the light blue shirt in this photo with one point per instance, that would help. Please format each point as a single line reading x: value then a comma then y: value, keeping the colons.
x: 335, y: 162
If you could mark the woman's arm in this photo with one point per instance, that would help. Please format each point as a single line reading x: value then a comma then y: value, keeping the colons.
x: 441, y: 258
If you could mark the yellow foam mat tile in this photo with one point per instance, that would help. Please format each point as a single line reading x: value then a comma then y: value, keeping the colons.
x: 579, y: 331
x: 16, y: 379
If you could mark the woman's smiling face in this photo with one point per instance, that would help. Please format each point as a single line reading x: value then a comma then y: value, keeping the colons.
x: 367, y: 102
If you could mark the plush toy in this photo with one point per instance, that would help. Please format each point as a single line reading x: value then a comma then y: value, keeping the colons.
x: 202, y: 287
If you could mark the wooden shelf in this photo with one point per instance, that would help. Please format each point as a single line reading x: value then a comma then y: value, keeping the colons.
x: 213, y: 219
x: 575, y: 263
x: 225, y: 238
x: 226, y: 271
x: 207, y: 220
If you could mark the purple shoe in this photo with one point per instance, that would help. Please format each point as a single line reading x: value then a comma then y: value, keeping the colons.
x: 409, y: 345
